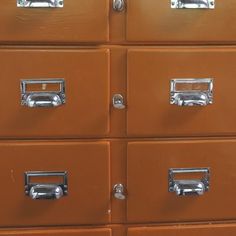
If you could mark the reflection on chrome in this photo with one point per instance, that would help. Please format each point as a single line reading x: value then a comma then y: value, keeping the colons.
x: 190, y: 96
x: 40, y: 3
x: 193, y: 4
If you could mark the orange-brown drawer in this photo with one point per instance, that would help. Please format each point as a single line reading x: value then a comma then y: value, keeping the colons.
x: 61, y: 232
x: 204, y: 230
x: 55, y: 183
x: 181, y: 92
x: 157, y: 21
x: 77, y: 104
x: 76, y: 21
x: 181, y: 181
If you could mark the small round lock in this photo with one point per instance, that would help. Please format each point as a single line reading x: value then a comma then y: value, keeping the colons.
x: 118, y: 102
x: 119, y: 192
x: 118, y: 5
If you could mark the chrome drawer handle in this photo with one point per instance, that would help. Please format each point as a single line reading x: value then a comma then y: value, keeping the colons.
x: 40, y: 3
x: 40, y: 191
x: 118, y: 101
x: 118, y: 5
x: 46, y: 191
x: 189, y: 187
x: 193, y: 4
x: 42, y: 99
x: 119, y: 192
x: 193, y: 95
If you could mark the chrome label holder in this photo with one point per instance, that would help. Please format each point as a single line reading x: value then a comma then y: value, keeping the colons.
x: 193, y: 4
x: 189, y: 187
x: 42, y: 98
x: 191, y: 97
x: 40, y: 3
x: 50, y: 189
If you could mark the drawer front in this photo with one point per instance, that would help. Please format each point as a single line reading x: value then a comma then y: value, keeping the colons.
x: 85, y: 74
x: 204, y: 230
x: 61, y: 232
x: 150, y: 92
x: 150, y: 197
x: 55, y: 183
x: 151, y: 20
x: 79, y: 20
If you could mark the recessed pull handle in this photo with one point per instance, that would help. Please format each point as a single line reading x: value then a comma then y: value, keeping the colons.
x: 193, y: 4
x: 40, y: 3
x: 41, y: 191
x: 189, y: 187
x: 41, y: 98
x: 191, y: 92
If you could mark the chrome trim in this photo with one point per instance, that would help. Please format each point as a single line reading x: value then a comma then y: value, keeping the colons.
x: 191, y: 97
x: 40, y: 3
x: 46, y: 191
x: 192, y: 186
x: 193, y: 4
x: 39, y: 191
x: 43, y: 99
